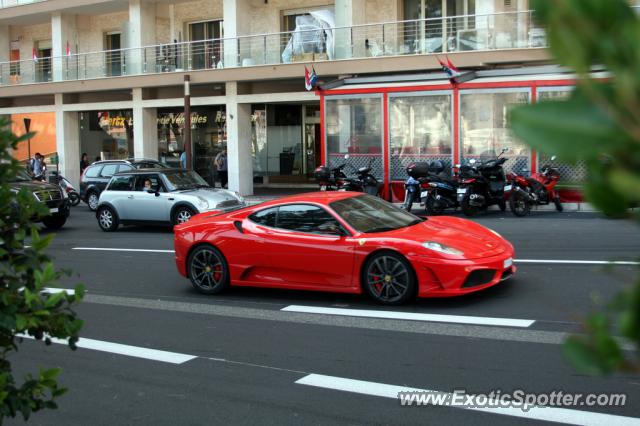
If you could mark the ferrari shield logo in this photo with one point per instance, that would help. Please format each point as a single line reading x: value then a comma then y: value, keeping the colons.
x: 361, y: 241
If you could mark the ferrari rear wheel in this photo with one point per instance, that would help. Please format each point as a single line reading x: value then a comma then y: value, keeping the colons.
x: 208, y: 270
x: 388, y: 278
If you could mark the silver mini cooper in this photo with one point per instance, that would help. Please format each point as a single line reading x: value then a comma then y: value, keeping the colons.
x: 159, y: 196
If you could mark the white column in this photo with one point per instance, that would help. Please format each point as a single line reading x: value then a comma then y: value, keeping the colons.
x: 68, y: 142
x: 5, y: 50
x: 240, y: 163
x: 236, y: 23
x: 63, y: 31
x: 145, y: 128
x: 348, y: 13
x: 141, y: 32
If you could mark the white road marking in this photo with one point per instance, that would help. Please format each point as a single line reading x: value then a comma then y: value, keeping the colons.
x: 120, y: 349
x: 412, y: 316
x: 550, y: 414
x: 578, y: 262
x: 53, y: 290
x: 122, y: 249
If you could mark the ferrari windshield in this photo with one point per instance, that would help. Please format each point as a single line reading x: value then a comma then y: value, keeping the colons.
x: 369, y: 214
x: 181, y: 180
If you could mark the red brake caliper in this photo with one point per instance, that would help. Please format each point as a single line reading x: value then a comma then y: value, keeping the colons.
x: 217, y: 272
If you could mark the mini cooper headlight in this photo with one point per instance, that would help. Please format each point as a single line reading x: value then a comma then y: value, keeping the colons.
x: 441, y: 248
x: 202, y: 203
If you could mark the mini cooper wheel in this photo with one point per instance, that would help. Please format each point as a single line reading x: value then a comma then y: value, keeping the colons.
x: 92, y: 201
x: 182, y: 215
x: 388, y: 278
x: 208, y: 270
x: 107, y: 219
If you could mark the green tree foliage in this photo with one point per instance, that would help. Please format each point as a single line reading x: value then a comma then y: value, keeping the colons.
x: 25, y: 310
x: 600, y: 125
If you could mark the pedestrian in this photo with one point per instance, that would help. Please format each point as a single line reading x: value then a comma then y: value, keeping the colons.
x: 97, y: 158
x: 84, y: 162
x: 38, y: 167
x: 183, y: 159
x: 221, y: 167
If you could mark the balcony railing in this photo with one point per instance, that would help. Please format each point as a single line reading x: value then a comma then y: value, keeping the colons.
x: 11, y: 3
x: 423, y: 36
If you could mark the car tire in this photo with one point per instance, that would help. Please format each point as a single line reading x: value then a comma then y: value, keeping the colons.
x: 54, y: 222
x: 208, y: 270
x: 107, y: 219
x: 388, y: 278
x: 92, y: 200
x: 181, y: 215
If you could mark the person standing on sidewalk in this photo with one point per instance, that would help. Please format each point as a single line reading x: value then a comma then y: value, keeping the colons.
x: 221, y: 166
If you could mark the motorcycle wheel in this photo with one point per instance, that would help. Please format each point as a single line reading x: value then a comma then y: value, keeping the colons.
x: 467, y: 208
x: 558, y: 204
x: 74, y: 199
x: 431, y: 208
x: 519, y: 205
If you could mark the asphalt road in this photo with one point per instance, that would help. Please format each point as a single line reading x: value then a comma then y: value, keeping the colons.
x: 236, y: 358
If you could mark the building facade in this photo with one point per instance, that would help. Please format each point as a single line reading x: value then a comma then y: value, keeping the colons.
x: 106, y: 78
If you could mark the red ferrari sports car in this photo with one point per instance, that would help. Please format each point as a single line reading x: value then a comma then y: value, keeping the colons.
x: 342, y: 242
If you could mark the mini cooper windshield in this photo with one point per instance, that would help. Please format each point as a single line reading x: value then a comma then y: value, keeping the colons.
x: 181, y: 180
x: 370, y: 214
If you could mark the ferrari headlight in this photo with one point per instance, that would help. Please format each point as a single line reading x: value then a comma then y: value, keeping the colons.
x: 494, y: 232
x: 441, y: 248
x: 202, y: 203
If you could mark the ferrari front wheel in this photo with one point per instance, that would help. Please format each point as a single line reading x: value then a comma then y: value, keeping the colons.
x: 388, y: 278
x: 208, y: 270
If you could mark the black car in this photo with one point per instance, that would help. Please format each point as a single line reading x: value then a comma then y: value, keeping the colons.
x: 95, y: 178
x: 50, y: 195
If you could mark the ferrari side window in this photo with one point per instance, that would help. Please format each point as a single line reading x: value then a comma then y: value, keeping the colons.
x: 265, y: 217
x: 305, y: 218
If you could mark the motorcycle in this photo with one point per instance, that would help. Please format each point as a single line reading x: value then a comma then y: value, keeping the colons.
x: 66, y: 186
x: 482, y: 185
x: 335, y: 179
x: 439, y: 193
x: 538, y: 189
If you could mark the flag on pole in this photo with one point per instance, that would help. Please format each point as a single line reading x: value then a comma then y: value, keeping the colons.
x: 310, y: 79
x: 449, y: 68
x: 68, y: 49
x: 35, y: 55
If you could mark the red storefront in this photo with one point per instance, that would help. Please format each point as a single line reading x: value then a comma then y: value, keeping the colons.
x: 390, y: 122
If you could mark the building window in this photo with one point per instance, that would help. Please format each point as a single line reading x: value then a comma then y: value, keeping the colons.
x: 420, y: 130
x: 354, y: 127
x: 113, y: 54
x: 308, y: 36
x: 483, y: 127
x: 206, y: 47
x: 14, y: 68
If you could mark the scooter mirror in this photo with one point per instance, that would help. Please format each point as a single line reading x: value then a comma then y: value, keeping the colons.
x: 346, y: 156
x: 553, y: 158
x: 472, y: 161
x: 505, y: 149
x: 457, y: 166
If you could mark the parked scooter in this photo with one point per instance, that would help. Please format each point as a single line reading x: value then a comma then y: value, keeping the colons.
x: 482, y: 185
x: 66, y: 186
x: 440, y: 192
x: 539, y: 189
x: 335, y: 179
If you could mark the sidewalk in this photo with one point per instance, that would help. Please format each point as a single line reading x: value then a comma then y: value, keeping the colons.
x: 266, y: 194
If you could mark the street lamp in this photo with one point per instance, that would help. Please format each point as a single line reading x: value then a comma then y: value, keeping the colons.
x: 27, y: 126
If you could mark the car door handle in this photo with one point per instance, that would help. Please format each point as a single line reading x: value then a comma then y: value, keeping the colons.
x: 130, y: 197
x: 171, y: 199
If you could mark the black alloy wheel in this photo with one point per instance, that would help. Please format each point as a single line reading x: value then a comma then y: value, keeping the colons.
x: 182, y: 215
x: 388, y: 278
x: 208, y: 270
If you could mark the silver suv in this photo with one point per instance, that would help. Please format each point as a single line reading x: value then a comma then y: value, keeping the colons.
x: 159, y: 196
